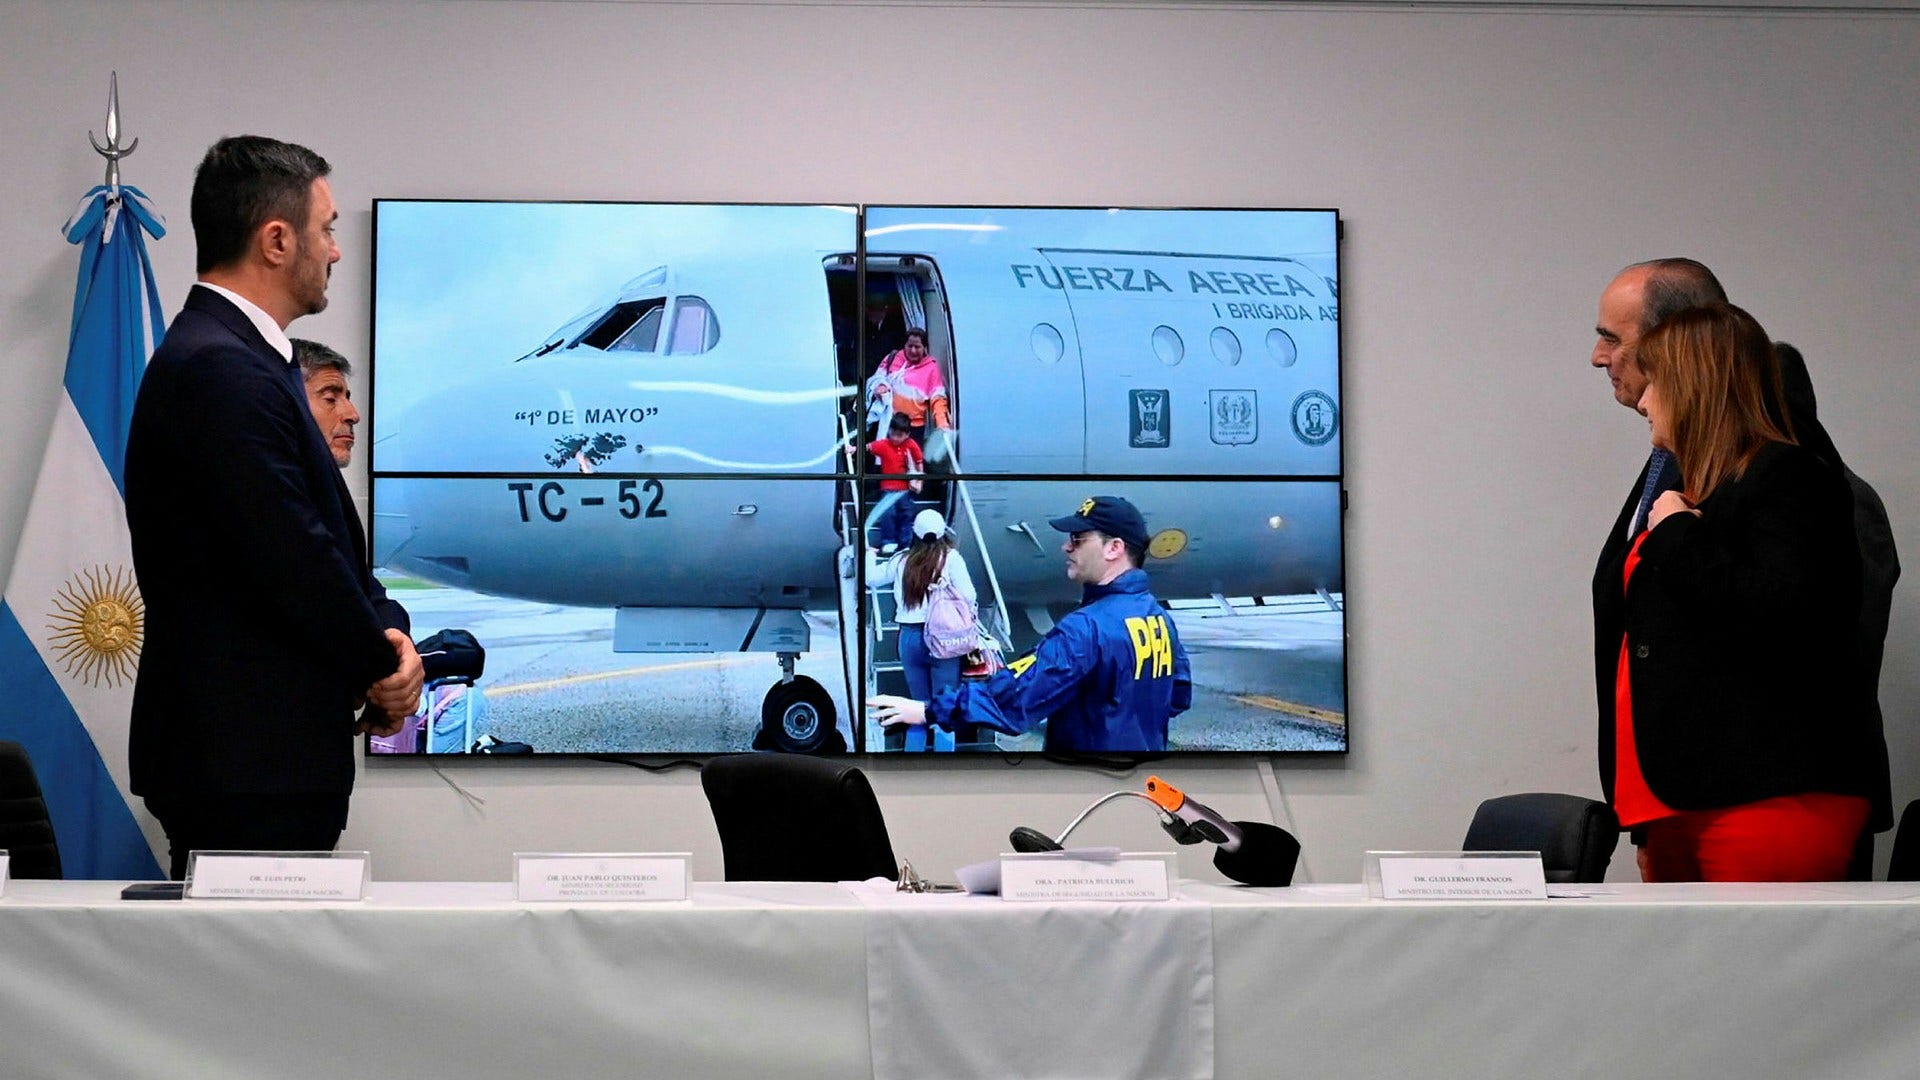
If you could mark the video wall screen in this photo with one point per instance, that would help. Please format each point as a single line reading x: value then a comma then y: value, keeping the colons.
x: 1122, y: 342
x: 642, y: 452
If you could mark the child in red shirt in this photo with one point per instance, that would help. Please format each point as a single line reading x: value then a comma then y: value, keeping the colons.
x: 899, y: 459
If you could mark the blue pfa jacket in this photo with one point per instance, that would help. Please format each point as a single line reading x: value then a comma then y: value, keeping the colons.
x: 1108, y: 677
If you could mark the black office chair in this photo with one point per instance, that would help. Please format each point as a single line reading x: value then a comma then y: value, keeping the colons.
x: 1904, y: 863
x: 26, y: 833
x: 789, y: 817
x: 1574, y: 836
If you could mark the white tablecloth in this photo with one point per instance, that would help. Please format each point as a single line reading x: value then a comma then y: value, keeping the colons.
x: 799, y: 980
x: 1754, y: 982
x: 959, y: 986
x: 432, y: 980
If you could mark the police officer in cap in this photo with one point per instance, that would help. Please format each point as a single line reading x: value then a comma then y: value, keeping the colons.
x: 1108, y: 677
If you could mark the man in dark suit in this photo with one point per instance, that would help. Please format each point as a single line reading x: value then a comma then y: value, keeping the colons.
x: 329, y: 397
x: 1634, y: 302
x: 265, y: 630
x: 330, y: 400
x: 1879, y: 570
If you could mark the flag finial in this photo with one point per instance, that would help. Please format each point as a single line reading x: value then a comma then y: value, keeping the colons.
x: 113, y: 151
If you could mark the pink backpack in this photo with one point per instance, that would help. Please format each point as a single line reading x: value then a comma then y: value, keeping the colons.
x: 951, y: 629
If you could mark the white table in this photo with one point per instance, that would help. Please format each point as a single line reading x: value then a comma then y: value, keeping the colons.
x: 750, y: 980
x: 431, y: 980
x: 1645, y: 981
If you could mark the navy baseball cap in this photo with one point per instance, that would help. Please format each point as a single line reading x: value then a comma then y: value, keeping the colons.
x: 1107, y: 514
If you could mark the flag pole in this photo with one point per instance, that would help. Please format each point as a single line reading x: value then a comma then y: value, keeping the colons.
x: 71, y: 618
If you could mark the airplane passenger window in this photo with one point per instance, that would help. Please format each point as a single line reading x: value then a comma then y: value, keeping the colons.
x: 1168, y: 346
x: 695, y: 330
x: 1048, y: 345
x: 1280, y: 345
x: 632, y: 326
x: 1226, y: 346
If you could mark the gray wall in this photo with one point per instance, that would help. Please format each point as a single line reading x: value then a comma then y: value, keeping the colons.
x: 1494, y: 166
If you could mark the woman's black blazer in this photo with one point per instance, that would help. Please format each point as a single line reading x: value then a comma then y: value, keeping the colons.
x: 1740, y: 631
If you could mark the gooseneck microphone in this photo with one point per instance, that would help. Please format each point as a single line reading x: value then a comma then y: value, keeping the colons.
x: 1250, y: 852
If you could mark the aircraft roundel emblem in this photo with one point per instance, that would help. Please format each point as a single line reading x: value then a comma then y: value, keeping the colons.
x: 1167, y: 543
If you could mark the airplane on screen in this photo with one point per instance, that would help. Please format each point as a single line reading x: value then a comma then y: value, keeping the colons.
x: 681, y: 450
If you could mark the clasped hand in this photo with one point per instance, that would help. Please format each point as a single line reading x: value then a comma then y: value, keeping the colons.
x: 397, y: 696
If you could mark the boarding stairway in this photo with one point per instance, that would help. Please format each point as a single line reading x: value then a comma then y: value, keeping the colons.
x: 869, y: 591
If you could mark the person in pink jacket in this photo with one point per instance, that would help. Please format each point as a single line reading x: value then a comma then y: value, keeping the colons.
x: 909, y: 379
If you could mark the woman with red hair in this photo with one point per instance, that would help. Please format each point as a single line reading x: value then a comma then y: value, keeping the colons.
x: 1736, y: 745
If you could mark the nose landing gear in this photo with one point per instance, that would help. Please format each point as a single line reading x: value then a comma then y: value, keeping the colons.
x: 797, y: 717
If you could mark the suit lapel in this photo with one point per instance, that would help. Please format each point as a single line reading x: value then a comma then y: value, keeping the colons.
x: 1618, y: 541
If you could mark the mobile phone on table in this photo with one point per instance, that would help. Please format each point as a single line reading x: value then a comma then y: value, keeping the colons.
x: 154, y: 890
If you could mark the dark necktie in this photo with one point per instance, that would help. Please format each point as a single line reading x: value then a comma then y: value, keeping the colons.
x: 1663, y: 474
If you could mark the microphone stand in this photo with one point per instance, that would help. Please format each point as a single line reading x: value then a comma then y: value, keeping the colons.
x: 1025, y: 839
x: 1250, y: 852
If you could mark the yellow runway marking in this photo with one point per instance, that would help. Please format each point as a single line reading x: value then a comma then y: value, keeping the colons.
x: 1305, y: 712
x: 602, y: 676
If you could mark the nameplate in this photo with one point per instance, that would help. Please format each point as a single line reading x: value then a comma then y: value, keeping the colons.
x: 278, y: 875
x: 3, y: 873
x: 1069, y: 875
x: 597, y: 878
x: 1476, y: 875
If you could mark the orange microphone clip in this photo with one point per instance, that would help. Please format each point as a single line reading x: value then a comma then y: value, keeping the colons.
x: 1165, y: 795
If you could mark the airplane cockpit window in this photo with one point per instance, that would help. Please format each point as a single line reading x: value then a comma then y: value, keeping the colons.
x: 645, y: 332
x: 566, y: 333
x: 632, y: 326
x: 695, y: 329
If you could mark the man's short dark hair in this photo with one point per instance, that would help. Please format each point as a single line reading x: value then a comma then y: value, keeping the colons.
x: 244, y: 182
x: 1796, y: 384
x: 313, y: 356
x: 1136, y: 554
x: 1674, y: 285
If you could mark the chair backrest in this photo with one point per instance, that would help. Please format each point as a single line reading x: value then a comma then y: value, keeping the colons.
x: 1574, y: 836
x: 26, y: 833
x: 1904, y: 863
x: 788, y: 817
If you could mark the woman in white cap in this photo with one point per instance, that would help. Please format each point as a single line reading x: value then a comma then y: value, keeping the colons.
x: 929, y: 566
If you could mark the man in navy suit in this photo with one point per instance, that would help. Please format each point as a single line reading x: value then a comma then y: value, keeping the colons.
x: 1634, y: 302
x: 265, y: 630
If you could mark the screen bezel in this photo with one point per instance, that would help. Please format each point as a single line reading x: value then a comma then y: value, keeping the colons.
x: 860, y: 230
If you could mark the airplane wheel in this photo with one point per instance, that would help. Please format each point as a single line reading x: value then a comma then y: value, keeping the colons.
x: 797, y: 717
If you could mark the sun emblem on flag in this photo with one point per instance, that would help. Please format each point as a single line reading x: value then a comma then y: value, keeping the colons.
x: 98, y: 622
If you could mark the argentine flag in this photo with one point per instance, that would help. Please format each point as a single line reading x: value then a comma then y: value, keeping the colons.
x: 71, y: 617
